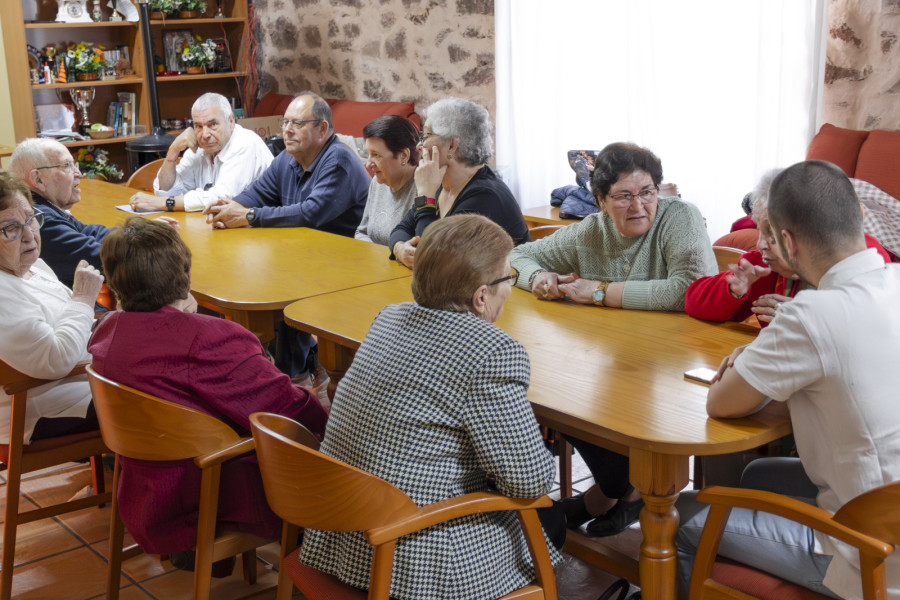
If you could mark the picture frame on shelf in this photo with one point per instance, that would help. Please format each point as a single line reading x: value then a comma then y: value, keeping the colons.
x: 173, y: 39
x: 223, y: 57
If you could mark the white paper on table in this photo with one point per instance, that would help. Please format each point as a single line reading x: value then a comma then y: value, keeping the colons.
x: 55, y: 117
x: 127, y: 208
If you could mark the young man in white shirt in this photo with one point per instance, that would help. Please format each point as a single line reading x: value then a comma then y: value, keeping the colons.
x: 221, y: 159
x: 831, y: 355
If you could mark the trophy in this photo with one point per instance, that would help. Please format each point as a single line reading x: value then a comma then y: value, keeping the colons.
x: 82, y: 97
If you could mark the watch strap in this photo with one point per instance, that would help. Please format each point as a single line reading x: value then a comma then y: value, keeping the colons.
x: 599, y: 294
x: 170, y: 204
x: 424, y: 202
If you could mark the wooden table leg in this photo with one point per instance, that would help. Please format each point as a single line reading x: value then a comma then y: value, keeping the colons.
x: 659, y: 478
x: 336, y: 359
x: 260, y: 323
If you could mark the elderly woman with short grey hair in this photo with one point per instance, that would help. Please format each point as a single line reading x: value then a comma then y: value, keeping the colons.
x: 453, y: 177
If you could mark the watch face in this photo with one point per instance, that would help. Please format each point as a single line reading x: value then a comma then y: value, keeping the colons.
x: 74, y: 8
x: 599, y: 295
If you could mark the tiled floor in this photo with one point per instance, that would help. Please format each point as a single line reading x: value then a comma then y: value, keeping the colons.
x: 64, y: 558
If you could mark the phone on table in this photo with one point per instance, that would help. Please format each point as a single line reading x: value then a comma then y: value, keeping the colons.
x: 700, y: 375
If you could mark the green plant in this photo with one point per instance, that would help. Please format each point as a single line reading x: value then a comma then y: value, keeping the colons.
x: 93, y: 162
x: 163, y: 6
x: 199, y: 54
x: 87, y: 58
x: 199, y: 5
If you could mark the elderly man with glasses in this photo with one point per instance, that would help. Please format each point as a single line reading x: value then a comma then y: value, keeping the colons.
x: 316, y: 182
x: 47, y: 168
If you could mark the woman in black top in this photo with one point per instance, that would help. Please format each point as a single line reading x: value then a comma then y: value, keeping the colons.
x: 453, y: 177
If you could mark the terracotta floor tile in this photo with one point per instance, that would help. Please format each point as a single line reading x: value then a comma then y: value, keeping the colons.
x: 90, y: 524
x: 177, y: 585
x: 78, y: 574
x: 41, y: 538
x: 132, y: 593
x: 141, y: 567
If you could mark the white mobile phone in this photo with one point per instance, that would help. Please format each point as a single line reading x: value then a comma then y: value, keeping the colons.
x: 700, y: 375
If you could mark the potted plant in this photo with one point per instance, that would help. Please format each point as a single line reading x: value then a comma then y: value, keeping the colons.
x: 86, y: 61
x: 198, y: 55
x: 160, y: 8
x: 94, y: 164
x: 189, y: 9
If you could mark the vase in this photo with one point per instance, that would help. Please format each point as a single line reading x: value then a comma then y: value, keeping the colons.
x: 156, y: 15
x: 188, y: 14
x: 195, y: 70
x: 87, y: 76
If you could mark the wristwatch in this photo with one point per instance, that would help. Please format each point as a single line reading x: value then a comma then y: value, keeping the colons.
x: 251, y: 216
x: 599, y: 294
x: 424, y: 202
x: 170, y: 204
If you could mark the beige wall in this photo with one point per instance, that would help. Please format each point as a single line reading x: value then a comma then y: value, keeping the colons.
x: 862, y: 70
x: 396, y: 50
x: 7, y: 135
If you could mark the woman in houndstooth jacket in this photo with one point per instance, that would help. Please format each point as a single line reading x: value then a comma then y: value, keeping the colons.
x: 435, y: 402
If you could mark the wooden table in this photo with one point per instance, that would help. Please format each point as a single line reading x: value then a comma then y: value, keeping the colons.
x: 613, y: 377
x: 544, y: 215
x: 251, y: 274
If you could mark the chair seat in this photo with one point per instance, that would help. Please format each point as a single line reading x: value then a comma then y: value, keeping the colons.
x: 317, y: 585
x: 48, y: 444
x: 758, y: 583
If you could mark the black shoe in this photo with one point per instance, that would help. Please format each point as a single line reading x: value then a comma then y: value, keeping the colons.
x: 184, y: 561
x: 617, y: 519
x: 576, y: 512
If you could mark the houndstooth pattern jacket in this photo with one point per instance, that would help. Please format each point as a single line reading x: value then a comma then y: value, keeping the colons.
x: 433, y: 401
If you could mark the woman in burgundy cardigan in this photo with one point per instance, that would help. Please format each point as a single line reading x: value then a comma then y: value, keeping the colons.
x: 158, y: 345
x: 759, y: 282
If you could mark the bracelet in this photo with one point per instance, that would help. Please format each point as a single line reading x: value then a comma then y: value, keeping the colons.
x: 533, y: 275
x: 730, y: 291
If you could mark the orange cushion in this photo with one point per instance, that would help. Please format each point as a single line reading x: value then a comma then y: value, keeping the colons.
x: 316, y: 585
x: 839, y: 146
x: 878, y: 160
x: 759, y: 584
x: 745, y: 239
x: 350, y: 116
x: 272, y: 104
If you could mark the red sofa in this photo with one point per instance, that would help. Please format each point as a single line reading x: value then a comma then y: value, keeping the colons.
x: 872, y: 156
x: 348, y: 116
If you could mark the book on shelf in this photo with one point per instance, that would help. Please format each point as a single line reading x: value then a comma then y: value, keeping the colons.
x: 128, y: 109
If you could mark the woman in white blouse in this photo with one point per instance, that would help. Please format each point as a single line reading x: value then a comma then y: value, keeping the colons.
x: 46, y: 325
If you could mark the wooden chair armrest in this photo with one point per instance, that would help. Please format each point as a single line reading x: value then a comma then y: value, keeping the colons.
x: 20, y: 382
x: 795, y: 510
x: 242, y: 446
x: 452, y: 508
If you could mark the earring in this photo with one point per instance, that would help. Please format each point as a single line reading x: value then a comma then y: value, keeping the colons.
x: 403, y: 164
x: 449, y: 157
x: 481, y: 309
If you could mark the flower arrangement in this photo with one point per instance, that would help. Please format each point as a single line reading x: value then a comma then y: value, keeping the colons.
x: 93, y: 162
x: 163, y: 6
x: 199, y: 54
x: 198, y: 5
x: 87, y: 58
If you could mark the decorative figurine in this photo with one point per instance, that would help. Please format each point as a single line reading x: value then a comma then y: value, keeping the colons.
x: 97, y: 14
x: 72, y: 11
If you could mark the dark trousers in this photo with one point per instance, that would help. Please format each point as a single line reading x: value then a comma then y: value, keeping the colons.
x: 47, y: 427
x: 610, y: 469
x: 294, y: 350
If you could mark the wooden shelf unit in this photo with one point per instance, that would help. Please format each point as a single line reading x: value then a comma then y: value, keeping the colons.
x: 26, y: 22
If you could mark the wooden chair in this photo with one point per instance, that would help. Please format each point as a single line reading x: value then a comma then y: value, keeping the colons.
x: 143, y: 427
x: 870, y: 523
x: 541, y: 231
x: 727, y: 256
x: 308, y: 489
x: 19, y: 458
x: 142, y: 179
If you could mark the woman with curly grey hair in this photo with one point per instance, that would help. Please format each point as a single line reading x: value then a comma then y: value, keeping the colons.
x: 453, y: 177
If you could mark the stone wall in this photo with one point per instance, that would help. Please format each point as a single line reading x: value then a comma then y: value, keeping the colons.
x: 862, y: 69
x: 385, y: 50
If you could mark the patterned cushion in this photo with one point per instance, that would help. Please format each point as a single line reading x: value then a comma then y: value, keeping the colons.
x: 882, y: 216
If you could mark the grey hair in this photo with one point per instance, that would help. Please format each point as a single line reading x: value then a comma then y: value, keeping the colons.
x: 759, y: 197
x: 466, y: 121
x: 210, y: 99
x: 31, y: 153
x: 320, y: 108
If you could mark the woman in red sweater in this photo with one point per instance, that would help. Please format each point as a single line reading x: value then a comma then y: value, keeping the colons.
x: 759, y: 282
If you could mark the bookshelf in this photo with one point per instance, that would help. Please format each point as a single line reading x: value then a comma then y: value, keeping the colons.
x: 26, y: 22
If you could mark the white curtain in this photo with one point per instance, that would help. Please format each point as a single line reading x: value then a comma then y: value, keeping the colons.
x: 720, y: 91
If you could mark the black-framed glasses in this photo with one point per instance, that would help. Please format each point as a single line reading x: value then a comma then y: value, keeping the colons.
x: 626, y: 198
x: 68, y: 166
x: 512, y: 278
x: 425, y: 135
x: 296, y: 123
x: 14, y: 231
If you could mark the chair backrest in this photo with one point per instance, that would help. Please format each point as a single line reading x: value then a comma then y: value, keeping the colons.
x: 541, y: 231
x: 309, y: 489
x: 874, y: 513
x: 142, y: 179
x: 727, y: 256
x: 144, y: 427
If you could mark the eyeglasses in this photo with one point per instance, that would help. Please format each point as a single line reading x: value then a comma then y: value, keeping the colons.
x: 296, y: 124
x: 14, y: 231
x: 512, y: 278
x: 625, y: 198
x: 425, y: 135
x: 68, y: 167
